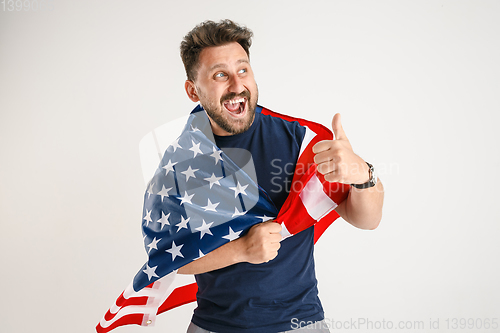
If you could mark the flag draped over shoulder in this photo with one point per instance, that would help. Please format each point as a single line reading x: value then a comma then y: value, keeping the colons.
x: 198, y: 200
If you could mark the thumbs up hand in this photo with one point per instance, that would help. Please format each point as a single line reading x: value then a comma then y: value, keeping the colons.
x: 336, y: 160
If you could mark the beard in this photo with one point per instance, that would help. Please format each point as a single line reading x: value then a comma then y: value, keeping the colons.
x: 218, y: 116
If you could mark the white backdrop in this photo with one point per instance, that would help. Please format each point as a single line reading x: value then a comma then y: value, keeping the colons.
x: 417, y: 83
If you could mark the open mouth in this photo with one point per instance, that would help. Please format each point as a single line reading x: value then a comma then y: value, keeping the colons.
x: 236, y: 107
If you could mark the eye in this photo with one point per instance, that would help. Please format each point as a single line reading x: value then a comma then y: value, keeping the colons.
x: 242, y: 71
x: 219, y: 75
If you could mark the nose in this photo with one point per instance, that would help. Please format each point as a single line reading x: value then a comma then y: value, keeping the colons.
x: 236, y: 85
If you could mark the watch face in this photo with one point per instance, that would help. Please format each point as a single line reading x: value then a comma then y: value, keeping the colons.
x: 370, y: 183
x: 374, y: 176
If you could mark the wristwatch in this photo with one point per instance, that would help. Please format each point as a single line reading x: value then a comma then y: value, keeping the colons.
x: 370, y: 183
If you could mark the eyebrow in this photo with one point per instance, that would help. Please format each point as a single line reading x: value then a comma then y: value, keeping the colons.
x: 221, y: 65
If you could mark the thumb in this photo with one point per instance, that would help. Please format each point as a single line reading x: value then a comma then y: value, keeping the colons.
x: 338, y: 131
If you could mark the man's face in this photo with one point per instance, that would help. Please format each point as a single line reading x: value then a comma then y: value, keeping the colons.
x: 226, y: 88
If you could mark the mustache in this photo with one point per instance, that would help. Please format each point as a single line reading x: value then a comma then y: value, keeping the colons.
x: 230, y: 96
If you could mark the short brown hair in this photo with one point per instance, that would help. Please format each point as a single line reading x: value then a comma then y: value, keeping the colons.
x: 210, y: 33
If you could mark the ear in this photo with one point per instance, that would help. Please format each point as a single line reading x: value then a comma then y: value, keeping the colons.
x: 191, y: 91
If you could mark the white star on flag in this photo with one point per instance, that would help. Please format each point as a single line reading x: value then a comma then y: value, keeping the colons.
x: 265, y: 218
x: 210, y: 206
x: 153, y: 244
x: 150, y: 189
x: 232, y: 235
x: 239, y: 189
x: 237, y: 212
x: 150, y: 272
x: 163, y: 220
x: 216, y: 154
x: 205, y: 229
x: 213, y: 180
x: 175, y: 251
x: 196, y: 148
x: 186, y: 198
x: 182, y: 224
x: 148, y: 217
x: 176, y: 144
x: 169, y: 167
x: 189, y: 173
x: 194, y: 129
x: 164, y: 192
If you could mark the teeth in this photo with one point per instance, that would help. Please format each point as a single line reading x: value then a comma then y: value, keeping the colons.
x: 241, y: 100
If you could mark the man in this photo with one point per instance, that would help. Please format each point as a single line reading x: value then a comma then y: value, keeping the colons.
x: 258, y: 283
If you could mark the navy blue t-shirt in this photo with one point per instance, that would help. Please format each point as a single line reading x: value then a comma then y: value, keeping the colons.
x: 264, y: 298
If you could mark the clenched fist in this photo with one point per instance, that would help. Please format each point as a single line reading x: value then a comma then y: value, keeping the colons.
x: 261, y: 243
x: 336, y: 160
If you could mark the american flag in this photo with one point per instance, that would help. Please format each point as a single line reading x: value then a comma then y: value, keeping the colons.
x: 198, y: 200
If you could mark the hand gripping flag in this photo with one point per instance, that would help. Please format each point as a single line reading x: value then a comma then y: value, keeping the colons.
x: 199, y: 199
